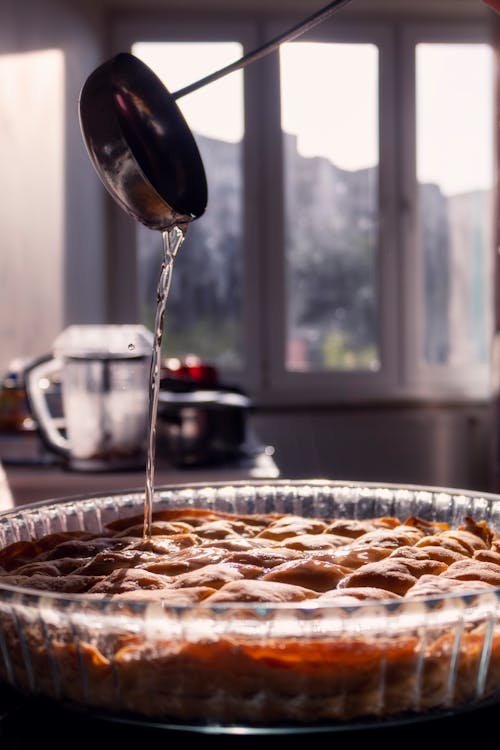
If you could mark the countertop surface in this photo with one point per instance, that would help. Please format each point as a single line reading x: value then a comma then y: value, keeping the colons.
x: 28, y: 473
x: 25, y: 721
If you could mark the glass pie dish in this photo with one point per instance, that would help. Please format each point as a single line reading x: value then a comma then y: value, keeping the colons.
x: 317, y: 662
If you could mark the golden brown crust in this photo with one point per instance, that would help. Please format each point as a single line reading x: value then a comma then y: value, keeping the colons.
x: 187, y: 596
x: 355, y: 594
x: 128, y: 579
x: 260, y: 591
x: 191, y: 548
x: 474, y: 570
x: 318, y: 575
x: 439, y: 585
x: 69, y: 584
x: 391, y: 574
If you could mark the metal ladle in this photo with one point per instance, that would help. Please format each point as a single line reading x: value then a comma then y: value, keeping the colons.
x: 139, y: 141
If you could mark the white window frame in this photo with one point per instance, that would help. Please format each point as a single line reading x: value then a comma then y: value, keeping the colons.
x: 423, y: 378
x: 352, y: 384
x: 401, y: 376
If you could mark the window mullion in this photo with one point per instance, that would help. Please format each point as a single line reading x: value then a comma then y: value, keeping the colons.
x: 266, y: 253
x: 422, y: 377
x: 410, y: 275
x: 389, y: 294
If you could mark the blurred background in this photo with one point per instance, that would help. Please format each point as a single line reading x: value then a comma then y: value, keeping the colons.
x: 344, y: 275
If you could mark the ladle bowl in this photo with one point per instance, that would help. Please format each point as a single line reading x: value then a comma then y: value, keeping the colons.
x: 139, y: 142
x: 141, y: 145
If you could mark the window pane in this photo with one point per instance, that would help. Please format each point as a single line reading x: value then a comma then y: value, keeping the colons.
x: 455, y: 176
x: 205, y: 303
x: 329, y: 98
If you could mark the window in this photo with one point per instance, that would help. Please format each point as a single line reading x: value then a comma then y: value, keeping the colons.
x: 455, y: 178
x: 330, y: 159
x: 205, y: 302
x: 346, y: 252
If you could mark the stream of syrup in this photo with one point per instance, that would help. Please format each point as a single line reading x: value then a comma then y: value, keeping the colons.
x: 172, y: 240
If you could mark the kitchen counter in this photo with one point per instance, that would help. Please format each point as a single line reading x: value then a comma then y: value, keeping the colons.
x: 28, y: 473
x: 23, y: 721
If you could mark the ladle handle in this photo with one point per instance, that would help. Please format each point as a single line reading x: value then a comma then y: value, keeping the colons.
x: 305, y: 25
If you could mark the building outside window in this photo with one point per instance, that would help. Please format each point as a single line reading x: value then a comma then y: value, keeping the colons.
x: 347, y: 248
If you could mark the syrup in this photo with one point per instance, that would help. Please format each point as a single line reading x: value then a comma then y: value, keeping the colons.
x: 172, y: 240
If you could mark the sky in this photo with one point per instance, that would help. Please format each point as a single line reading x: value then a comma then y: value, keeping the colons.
x: 215, y: 110
x: 455, y: 114
x: 336, y: 116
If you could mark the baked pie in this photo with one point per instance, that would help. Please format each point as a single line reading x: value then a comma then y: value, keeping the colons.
x: 262, y: 618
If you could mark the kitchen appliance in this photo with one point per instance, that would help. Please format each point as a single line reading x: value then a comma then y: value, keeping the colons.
x: 201, y: 421
x: 100, y: 421
x: 200, y: 427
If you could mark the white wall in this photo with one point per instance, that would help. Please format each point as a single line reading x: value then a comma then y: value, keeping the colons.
x: 52, y: 235
x: 439, y: 446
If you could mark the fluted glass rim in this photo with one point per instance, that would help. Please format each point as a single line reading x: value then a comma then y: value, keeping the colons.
x: 22, y: 521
